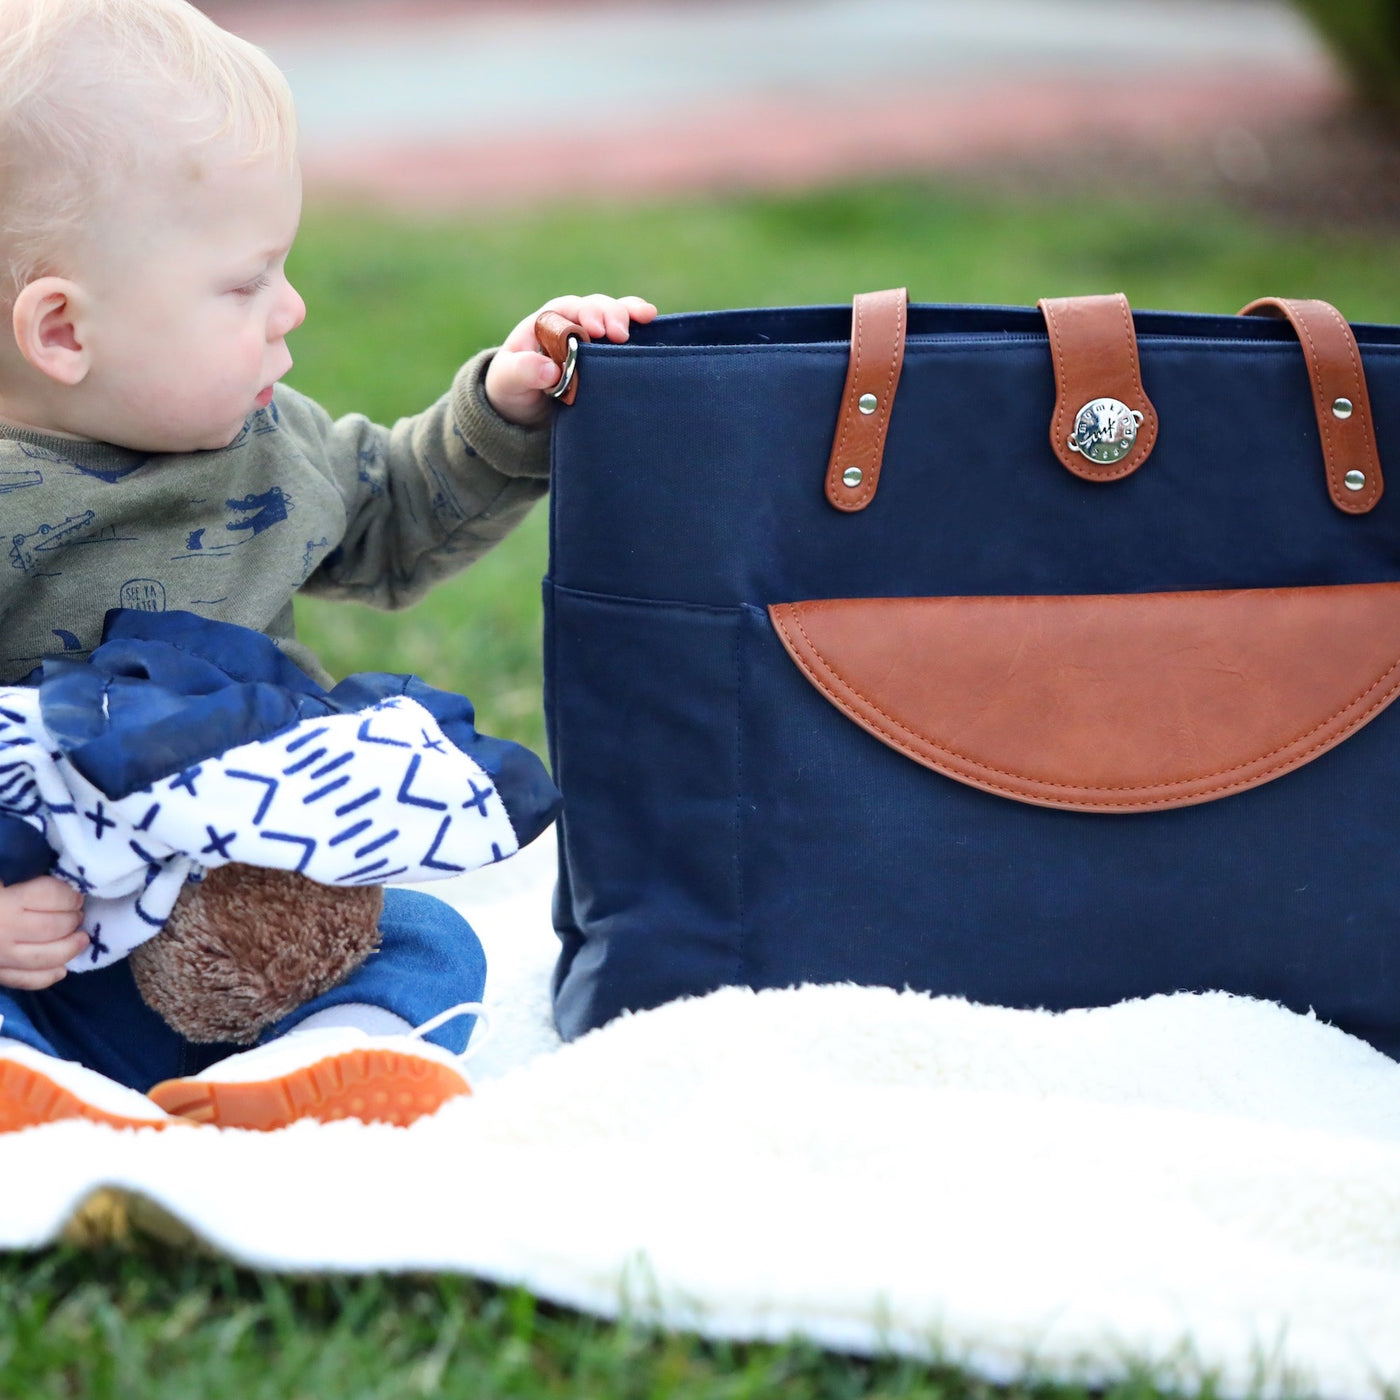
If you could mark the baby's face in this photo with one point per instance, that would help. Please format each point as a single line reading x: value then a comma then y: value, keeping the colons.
x: 190, y: 304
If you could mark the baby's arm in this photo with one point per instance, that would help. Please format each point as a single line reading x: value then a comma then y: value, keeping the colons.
x: 39, y: 932
x: 520, y: 374
x: 426, y: 497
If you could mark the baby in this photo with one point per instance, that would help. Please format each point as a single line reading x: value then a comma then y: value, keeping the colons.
x: 150, y: 458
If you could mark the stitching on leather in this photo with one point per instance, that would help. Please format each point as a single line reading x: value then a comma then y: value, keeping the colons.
x: 1095, y: 472
x: 1334, y: 467
x: 1082, y: 467
x: 887, y: 402
x: 872, y: 456
x: 1057, y: 424
x: 867, y: 489
x: 1108, y: 473
x: 856, y: 365
x: 1358, y: 378
x: 1056, y: 789
x: 834, y: 482
x: 1148, y: 439
x: 1130, y: 344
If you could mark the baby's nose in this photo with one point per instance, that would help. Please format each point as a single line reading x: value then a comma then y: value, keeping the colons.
x: 291, y: 312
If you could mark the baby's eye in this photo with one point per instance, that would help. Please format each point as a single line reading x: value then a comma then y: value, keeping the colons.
x: 251, y: 289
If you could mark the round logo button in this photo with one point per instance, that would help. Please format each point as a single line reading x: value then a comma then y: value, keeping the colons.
x: 1104, y: 430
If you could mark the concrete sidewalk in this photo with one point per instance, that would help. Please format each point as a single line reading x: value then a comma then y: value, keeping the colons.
x: 438, y: 104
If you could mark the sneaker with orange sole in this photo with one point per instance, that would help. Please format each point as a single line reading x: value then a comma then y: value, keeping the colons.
x: 324, y: 1074
x: 37, y: 1089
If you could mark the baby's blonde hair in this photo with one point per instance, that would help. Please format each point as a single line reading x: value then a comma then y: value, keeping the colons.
x: 88, y: 86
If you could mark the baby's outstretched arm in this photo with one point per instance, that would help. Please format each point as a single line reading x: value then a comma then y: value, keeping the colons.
x: 39, y: 932
x: 519, y: 374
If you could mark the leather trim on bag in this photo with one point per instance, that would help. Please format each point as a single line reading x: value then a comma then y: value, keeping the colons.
x: 1336, y: 374
x: 878, y: 321
x: 552, y: 331
x: 1093, y: 348
x: 1107, y: 703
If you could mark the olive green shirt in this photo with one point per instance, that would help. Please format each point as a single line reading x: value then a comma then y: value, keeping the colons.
x: 298, y: 501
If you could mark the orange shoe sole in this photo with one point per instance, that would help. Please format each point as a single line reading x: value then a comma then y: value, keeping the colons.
x: 374, y: 1086
x: 29, y: 1099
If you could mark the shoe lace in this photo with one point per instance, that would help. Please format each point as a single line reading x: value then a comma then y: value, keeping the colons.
x: 481, y: 1032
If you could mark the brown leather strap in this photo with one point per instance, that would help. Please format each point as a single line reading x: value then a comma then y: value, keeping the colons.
x: 877, y: 355
x: 1094, y: 350
x: 553, y: 331
x: 1340, y: 400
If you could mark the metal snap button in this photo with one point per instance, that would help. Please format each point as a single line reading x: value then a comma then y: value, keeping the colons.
x: 1105, y: 430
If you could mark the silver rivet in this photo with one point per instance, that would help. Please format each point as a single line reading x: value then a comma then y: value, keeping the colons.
x: 868, y: 403
x: 1341, y: 408
x: 853, y: 476
x: 1355, y: 480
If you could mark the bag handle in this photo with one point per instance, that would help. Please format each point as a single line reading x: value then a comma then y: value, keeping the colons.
x: 1096, y: 373
x: 878, y: 321
x: 1094, y: 350
x: 1340, y: 400
x: 1104, y: 426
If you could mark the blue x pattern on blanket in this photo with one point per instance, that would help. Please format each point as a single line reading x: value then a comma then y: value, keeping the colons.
x: 182, y: 744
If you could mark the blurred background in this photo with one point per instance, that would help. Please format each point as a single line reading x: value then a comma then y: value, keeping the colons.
x: 466, y: 161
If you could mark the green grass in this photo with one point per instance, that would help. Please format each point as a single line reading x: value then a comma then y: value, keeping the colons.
x: 158, y: 1325
x: 396, y: 305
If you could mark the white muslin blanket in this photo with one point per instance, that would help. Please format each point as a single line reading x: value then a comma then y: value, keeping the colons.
x: 1202, y: 1185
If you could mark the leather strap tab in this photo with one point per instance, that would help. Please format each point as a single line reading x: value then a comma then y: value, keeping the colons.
x: 1339, y: 398
x: 1094, y: 349
x: 878, y: 321
x: 553, y: 331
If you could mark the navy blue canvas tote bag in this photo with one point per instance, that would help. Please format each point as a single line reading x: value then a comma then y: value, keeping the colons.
x: 1038, y: 656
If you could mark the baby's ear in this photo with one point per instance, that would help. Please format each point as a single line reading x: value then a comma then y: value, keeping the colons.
x: 48, y: 325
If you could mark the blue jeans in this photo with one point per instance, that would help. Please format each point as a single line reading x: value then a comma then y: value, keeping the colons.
x: 429, y: 959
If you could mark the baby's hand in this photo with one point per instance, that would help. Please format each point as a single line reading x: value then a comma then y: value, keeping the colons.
x: 520, y: 373
x: 39, y: 932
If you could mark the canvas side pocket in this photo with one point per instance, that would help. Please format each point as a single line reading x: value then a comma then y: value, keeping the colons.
x: 642, y: 710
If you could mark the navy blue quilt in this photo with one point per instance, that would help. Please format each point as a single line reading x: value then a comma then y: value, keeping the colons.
x: 181, y: 744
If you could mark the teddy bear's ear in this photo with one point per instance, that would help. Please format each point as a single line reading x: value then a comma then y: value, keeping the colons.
x: 246, y: 945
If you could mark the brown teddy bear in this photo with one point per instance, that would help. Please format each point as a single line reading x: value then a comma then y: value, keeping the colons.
x: 247, y: 944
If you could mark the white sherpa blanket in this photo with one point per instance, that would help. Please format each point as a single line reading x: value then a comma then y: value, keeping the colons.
x: 1204, y: 1185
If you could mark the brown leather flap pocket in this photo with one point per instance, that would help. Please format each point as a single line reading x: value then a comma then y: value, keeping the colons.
x: 1108, y: 703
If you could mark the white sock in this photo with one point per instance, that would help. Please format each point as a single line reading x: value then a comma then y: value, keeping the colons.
x: 373, y: 1020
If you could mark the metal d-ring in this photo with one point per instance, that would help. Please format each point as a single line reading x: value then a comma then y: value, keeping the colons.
x: 566, y: 371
